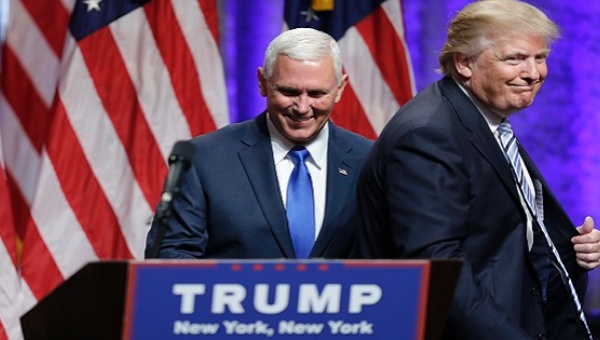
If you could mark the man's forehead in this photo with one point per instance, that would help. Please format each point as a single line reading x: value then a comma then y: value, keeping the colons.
x: 518, y: 47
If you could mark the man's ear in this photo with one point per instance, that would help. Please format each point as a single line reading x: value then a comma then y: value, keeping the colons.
x: 463, y: 65
x: 262, y: 82
x: 341, y: 88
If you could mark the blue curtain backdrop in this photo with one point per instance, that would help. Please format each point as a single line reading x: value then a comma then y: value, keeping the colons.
x: 560, y: 130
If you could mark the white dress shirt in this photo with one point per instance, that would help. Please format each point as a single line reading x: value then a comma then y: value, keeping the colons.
x: 316, y: 163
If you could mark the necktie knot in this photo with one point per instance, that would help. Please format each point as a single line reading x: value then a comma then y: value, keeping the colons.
x: 505, y: 130
x: 509, y: 143
x: 298, y: 154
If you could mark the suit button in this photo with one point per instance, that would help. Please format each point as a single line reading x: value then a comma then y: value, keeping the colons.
x: 541, y: 337
x: 535, y: 292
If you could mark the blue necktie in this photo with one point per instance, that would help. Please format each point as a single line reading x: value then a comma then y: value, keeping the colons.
x: 511, y: 150
x: 300, y: 205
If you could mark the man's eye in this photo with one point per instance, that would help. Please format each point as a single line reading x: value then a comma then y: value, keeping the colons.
x: 317, y: 94
x: 289, y: 92
x: 513, y: 60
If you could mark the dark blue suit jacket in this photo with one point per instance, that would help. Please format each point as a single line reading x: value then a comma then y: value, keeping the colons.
x: 230, y: 205
x: 436, y: 185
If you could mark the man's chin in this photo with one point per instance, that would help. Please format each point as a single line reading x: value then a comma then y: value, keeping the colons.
x: 301, y: 136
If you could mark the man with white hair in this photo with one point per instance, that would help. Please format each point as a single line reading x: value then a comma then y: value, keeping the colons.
x: 241, y: 197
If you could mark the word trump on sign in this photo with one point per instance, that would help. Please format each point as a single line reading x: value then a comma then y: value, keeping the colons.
x: 231, y: 297
x: 381, y: 299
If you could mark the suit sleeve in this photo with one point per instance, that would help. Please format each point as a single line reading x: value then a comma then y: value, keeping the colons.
x: 427, y: 192
x: 186, y: 236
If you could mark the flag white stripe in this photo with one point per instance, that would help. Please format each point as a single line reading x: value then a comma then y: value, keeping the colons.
x: 393, y: 10
x: 157, y: 97
x: 30, y: 46
x: 104, y: 152
x: 206, y: 57
x: 68, y: 4
x: 21, y: 159
x: 28, y: 300
x: 4, y: 11
x: 10, y: 295
x: 376, y: 97
x: 57, y: 225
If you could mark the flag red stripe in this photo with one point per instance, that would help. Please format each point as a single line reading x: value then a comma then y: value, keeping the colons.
x: 178, y: 59
x: 119, y: 98
x: 20, y: 207
x: 349, y: 113
x: 7, y: 232
x: 35, y: 257
x: 83, y: 192
x: 52, y: 19
x: 32, y: 113
x: 210, y: 11
x: 389, y: 53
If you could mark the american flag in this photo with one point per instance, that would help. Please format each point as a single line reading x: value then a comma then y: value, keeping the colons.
x: 93, y: 96
x: 374, y: 54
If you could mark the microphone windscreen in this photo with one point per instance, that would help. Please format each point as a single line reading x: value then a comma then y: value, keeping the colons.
x: 182, y: 151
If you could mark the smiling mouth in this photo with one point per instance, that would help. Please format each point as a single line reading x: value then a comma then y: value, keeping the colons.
x: 524, y: 88
x: 300, y: 119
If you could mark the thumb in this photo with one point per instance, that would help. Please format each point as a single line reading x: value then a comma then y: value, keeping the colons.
x: 587, y: 226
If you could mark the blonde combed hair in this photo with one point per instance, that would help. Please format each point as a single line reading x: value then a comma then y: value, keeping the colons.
x: 475, y: 26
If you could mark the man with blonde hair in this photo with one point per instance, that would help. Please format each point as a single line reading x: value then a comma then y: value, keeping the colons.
x: 448, y: 180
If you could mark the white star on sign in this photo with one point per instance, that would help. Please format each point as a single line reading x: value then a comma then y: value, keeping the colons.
x: 92, y: 5
x: 310, y: 15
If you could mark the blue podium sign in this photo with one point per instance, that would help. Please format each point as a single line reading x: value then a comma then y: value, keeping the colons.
x: 255, y: 299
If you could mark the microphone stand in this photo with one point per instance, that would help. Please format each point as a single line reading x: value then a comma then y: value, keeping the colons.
x: 179, y: 162
x: 163, y: 212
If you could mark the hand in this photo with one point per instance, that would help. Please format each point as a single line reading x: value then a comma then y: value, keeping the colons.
x: 587, y: 245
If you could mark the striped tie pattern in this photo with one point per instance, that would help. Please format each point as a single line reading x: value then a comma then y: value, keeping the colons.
x: 300, y: 207
x: 509, y: 144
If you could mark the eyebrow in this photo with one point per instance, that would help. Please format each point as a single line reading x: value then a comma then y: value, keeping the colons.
x: 544, y: 52
x: 295, y: 89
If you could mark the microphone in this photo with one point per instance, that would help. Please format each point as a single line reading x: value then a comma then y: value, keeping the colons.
x: 179, y: 162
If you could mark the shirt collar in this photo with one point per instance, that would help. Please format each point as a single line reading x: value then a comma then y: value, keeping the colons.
x: 491, y: 118
x: 281, y: 145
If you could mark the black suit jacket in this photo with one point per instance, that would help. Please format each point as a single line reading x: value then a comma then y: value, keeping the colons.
x: 436, y: 185
x: 230, y: 204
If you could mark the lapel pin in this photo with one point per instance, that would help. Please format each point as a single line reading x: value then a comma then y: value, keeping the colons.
x: 343, y: 171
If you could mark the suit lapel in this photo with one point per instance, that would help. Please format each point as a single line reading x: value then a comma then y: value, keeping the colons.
x: 480, y: 135
x: 257, y: 161
x: 342, y: 170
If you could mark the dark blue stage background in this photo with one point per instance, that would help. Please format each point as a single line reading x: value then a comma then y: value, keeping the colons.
x: 559, y: 130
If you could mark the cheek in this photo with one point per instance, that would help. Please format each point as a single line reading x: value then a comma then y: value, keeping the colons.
x: 325, y: 103
x: 279, y: 101
x: 543, y: 70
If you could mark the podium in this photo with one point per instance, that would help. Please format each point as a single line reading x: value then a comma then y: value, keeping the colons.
x: 250, y: 299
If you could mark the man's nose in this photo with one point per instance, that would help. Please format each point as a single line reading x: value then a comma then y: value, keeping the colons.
x: 303, y: 103
x: 531, y: 69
